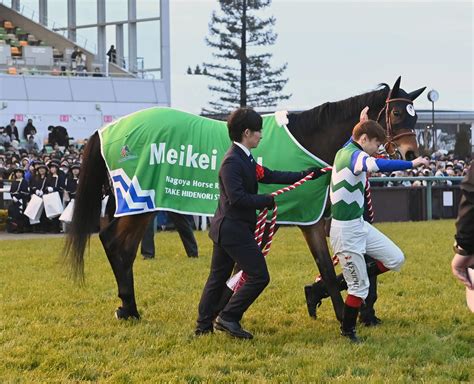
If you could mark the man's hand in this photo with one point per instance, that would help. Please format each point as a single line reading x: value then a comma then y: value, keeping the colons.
x: 459, y: 266
x: 317, y: 172
x: 420, y: 161
x: 271, y: 203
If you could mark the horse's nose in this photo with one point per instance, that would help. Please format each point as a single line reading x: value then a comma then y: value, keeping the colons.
x: 410, y: 155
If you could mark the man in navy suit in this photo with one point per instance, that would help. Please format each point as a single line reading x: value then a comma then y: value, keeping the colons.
x: 233, y: 226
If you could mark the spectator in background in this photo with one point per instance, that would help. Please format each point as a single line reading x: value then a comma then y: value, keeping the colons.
x: 4, y: 138
x: 30, y: 171
x: 38, y: 187
x: 12, y: 130
x: 29, y: 129
x: 97, y: 72
x: 71, y: 181
x: 54, y: 183
x: 58, y: 136
x: 31, y: 145
x: 81, y: 65
x: 17, y: 221
x: 75, y: 53
x: 112, y: 53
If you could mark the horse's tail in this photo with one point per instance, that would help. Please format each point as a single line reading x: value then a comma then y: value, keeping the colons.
x: 87, y: 206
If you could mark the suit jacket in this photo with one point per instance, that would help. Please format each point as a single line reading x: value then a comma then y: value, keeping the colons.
x: 465, y: 221
x: 238, y: 188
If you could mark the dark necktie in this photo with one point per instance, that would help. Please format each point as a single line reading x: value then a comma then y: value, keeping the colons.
x: 251, y: 158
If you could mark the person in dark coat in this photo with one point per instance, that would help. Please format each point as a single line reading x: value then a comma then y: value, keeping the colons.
x: 20, y: 193
x: 29, y: 130
x: 38, y: 187
x: 464, y: 243
x: 112, y: 53
x: 185, y: 231
x: 54, y: 183
x: 72, y: 178
x: 233, y: 226
x: 58, y: 135
x: 12, y: 130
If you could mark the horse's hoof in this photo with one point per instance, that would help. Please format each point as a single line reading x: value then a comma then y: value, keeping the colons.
x: 124, y: 314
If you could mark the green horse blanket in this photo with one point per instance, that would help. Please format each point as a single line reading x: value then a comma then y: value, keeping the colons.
x: 166, y: 159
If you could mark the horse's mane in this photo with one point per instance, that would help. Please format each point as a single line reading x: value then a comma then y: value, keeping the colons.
x: 341, y: 111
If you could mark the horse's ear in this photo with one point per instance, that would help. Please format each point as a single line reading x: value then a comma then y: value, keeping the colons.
x: 364, y: 115
x: 396, y: 87
x: 413, y: 95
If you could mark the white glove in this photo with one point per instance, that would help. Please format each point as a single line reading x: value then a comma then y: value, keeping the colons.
x: 39, y: 193
x: 50, y: 189
x: 15, y: 199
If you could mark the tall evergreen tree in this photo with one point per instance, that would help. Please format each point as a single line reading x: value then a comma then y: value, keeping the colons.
x: 242, y: 72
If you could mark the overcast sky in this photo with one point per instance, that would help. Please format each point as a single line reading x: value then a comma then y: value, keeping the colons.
x: 334, y: 49
x: 338, y: 49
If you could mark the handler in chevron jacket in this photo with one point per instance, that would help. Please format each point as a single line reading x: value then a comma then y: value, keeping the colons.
x: 351, y: 236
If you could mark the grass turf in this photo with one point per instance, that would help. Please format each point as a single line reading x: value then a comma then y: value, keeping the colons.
x: 52, y: 331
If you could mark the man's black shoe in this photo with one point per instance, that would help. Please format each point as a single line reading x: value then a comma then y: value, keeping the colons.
x: 202, y: 332
x: 351, y: 335
x: 371, y: 322
x: 232, y: 328
x: 148, y: 257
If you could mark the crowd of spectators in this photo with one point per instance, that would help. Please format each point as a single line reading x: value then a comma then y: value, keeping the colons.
x: 441, y: 165
x: 31, y: 169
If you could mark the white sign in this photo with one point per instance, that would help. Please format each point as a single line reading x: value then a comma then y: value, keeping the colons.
x: 447, y: 198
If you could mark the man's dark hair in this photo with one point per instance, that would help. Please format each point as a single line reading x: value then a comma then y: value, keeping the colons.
x: 12, y: 121
x: 371, y: 128
x: 241, y: 119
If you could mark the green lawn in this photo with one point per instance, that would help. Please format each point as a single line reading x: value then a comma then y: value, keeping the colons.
x: 52, y: 331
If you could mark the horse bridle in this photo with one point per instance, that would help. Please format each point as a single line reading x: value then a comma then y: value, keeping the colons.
x: 391, y: 140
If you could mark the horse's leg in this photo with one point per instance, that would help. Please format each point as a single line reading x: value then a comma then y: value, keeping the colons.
x: 315, y: 236
x: 120, y: 239
x: 227, y: 293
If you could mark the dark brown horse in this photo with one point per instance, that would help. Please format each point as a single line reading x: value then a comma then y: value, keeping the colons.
x: 322, y: 130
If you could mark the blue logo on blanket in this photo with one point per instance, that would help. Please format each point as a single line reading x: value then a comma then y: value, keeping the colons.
x: 130, y: 197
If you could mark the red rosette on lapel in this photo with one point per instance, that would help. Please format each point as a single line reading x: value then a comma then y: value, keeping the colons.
x: 260, y: 172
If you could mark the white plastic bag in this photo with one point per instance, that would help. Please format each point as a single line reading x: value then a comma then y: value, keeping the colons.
x: 34, y: 209
x: 53, y: 205
x: 66, y: 216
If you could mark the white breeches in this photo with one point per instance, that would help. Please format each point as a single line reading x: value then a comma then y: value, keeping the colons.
x: 350, y: 240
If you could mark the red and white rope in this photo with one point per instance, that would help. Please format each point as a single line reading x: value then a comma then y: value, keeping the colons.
x: 236, y: 281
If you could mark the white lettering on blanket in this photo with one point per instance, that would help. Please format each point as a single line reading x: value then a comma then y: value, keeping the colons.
x: 185, y: 157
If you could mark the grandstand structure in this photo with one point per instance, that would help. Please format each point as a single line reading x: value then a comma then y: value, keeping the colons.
x: 52, y: 76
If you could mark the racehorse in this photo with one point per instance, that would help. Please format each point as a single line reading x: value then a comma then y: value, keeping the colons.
x: 322, y: 130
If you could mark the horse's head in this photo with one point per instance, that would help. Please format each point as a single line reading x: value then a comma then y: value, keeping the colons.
x: 399, y: 117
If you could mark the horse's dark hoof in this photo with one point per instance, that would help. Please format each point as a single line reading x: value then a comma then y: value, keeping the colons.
x: 125, y: 314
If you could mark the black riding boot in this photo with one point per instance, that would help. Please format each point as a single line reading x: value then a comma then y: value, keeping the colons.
x: 367, y: 310
x: 316, y: 292
x: 348, y: 325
